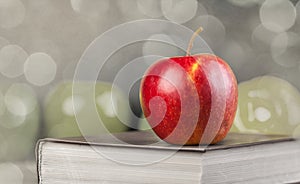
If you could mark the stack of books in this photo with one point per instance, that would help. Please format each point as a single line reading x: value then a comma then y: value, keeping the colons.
x: 140, y: 157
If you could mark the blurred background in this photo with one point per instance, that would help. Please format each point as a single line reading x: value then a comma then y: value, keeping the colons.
x: 41, y: 42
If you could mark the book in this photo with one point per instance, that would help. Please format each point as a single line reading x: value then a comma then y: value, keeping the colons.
x: 141, y: 157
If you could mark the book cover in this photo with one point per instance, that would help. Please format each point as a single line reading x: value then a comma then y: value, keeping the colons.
x: 148, y: 140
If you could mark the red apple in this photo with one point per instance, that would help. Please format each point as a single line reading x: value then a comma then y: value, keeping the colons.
x: 190, y: 100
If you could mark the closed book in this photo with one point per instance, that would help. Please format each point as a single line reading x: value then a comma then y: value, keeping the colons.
x: 140, y: 157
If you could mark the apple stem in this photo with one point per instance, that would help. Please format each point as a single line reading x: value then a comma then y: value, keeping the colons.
x: 188, y: 50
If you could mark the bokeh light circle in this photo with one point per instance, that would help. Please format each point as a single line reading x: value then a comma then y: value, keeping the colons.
x: 12, y: 59
x: 92, y: 8
x: 20, y: 101
x: 285, y: 49
x: 129, y: 10
x: 10, y: 173
x: 40, y: 69
x: 150, y: 8
x: 12, y: 13
x: 179, y: 11
x: 262, y: 37
x: 20, y: 104
x: 277, y: 15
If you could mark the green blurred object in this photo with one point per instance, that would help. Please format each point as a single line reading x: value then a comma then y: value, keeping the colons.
x: 19, y: 122
x: 61, y: 108
x: 267, y: 105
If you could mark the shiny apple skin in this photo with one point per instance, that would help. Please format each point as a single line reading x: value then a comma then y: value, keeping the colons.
x: 198, y: 82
